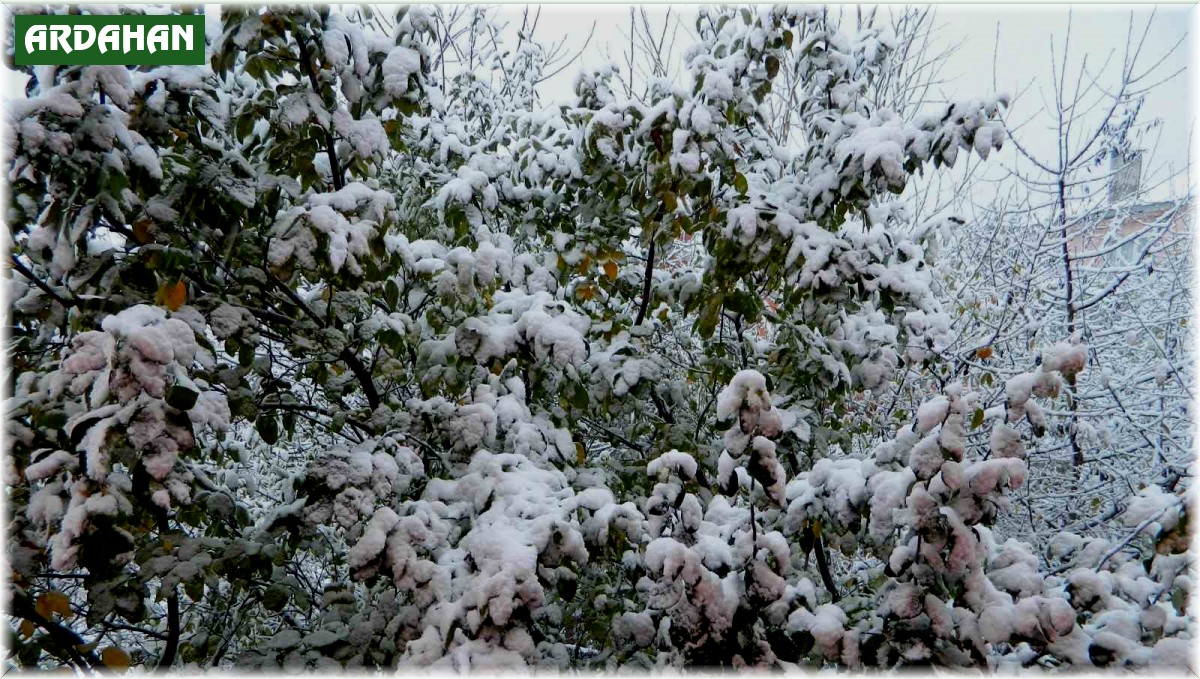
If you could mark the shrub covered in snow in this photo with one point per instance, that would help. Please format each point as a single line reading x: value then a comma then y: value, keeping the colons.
x: 328, y: 357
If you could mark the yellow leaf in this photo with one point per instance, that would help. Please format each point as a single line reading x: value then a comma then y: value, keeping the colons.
x: 53, y: 602
x: 62, y: 605
x: 580, y: 453
x: 42, y: 606
x: 610, y: 270
x: 141, y: 230
x: 584, y: 265
x: 27, y: 629
x: 114, y: 658
x: 172, y: 295
x: 283, y: 272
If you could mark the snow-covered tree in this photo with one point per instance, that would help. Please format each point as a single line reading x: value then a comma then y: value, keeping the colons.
x: 340, y: 352
x: 1085, y: 240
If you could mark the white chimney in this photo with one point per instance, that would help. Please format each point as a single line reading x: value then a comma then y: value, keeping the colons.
x: 1126, y: 175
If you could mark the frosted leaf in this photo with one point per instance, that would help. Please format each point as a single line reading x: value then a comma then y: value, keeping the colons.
x: 1065, y: 357
x: 681, y: 463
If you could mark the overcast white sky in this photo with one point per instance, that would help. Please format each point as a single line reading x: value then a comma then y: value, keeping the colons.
x: 1022, y: 55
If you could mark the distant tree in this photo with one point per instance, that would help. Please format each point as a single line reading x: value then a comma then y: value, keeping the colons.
x: 1058, y: 254
x: 327, y: 358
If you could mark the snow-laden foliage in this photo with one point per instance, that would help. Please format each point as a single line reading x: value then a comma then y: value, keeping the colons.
x: 1084, y: 243
x: 328, y: 355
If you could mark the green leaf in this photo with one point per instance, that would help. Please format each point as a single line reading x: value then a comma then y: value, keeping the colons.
x: 194, y: 589
x: 740, y: 183
x: 669, y: 201
x: 182, y: 396
x: 886, y: 301
x: 391, y: 293
x: 268, y: 428
x: 977, y: 418
x: 55, y: 419
x: 706, y: 324
x: 244, y: 126
x: 772, y: 66
x: 245, y: 355
x: 338, y: 422
x: 275, y: 597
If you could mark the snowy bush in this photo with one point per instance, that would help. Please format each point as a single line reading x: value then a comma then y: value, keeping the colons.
x: 335, y: 354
